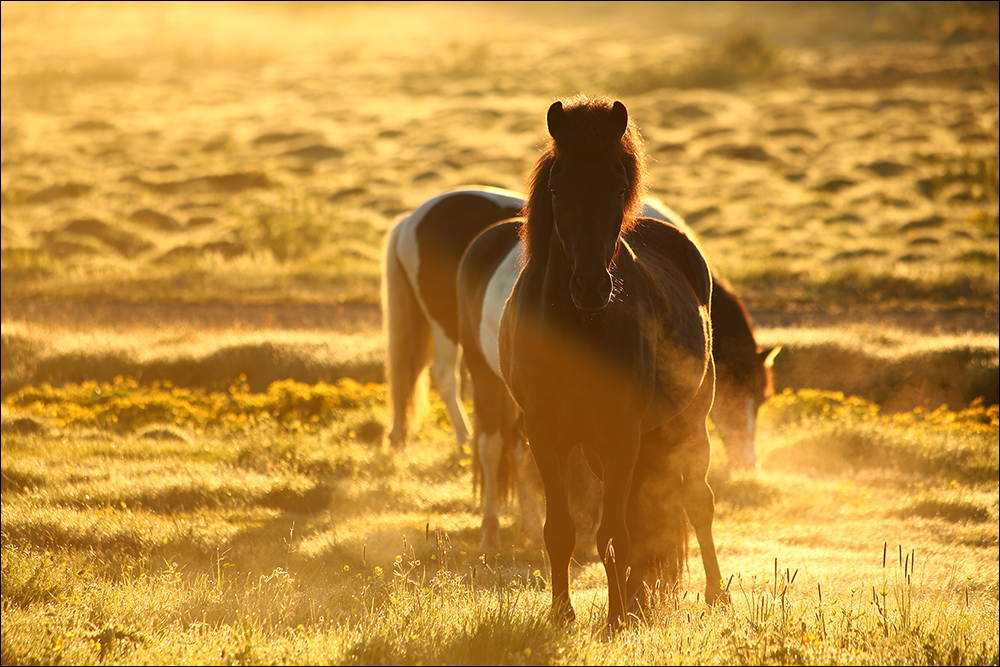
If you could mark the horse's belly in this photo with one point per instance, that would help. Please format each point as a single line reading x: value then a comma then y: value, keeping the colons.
x: 681, y: 359
x: 583, y: 397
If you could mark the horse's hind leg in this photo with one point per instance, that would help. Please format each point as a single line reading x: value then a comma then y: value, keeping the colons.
x: 585, y: 493
x: 530, y: 494
x: 657, y: 522
x: 444, y: 371
x: 692, y: 456
x: 614, y: 543
x: 699, y: 502
x: 700, y: 505
x: 408, y: 337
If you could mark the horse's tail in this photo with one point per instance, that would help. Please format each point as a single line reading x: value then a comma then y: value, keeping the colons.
x: 673, y: 548
x: 408, y: 341
x: 658, y: 525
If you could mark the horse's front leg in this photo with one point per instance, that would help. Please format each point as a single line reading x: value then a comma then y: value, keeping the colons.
x: 613, y: 541
x: 560, y: 532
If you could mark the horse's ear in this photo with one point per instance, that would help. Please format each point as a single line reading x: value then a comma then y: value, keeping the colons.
x: 554, y: 117
x: 769, y: 354
x: 619, y: 118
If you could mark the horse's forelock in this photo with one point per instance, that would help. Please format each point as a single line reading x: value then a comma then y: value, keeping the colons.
x: 604, y: 116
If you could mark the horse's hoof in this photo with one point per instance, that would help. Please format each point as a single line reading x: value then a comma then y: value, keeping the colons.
x: 395, y: 441
x: 563, y: 614
x: 489, y: 544
x: 718, y: 597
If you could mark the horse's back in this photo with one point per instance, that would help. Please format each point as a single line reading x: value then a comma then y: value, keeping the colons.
x: 732, y: 316
x: 664, y: 245
x: 656, y: 209
x: 432, y: 239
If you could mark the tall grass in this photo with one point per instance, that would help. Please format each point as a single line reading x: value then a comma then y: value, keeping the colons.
x: 187, y: 543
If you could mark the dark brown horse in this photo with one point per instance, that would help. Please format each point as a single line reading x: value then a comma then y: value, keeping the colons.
x: 606, y: 343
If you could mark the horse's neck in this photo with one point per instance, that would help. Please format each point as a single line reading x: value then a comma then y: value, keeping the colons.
x: 543, y: 285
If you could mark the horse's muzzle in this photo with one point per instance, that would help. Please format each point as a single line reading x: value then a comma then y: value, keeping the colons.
x: 591, y: 298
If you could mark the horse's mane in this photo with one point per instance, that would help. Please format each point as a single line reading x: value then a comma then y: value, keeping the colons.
x: 590, y: 119
x: 733, y: 332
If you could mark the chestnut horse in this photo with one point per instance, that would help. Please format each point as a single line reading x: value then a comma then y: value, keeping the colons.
x: 605, y: 343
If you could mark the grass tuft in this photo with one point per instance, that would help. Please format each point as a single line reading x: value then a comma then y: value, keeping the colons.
x: 742, y: 58
x: 849, y: 433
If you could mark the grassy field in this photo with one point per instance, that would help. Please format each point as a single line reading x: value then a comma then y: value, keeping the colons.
x: 165, y: 525
x: 194, y: 198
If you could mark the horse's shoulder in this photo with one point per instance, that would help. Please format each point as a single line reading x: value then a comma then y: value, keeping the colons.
x: 669, y: 243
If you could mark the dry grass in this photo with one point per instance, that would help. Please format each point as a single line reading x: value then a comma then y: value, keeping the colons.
x: 187, y: 356
x: 896, y: 369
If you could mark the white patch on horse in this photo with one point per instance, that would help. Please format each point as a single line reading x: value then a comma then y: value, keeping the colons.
x: 497, y: 292
x: 408, y: 250
x: 444, y: 371
x: 499, y: 195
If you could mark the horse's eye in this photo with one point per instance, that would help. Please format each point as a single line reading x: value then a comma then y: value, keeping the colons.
x: 622, y: 192
x: 552, y: 191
